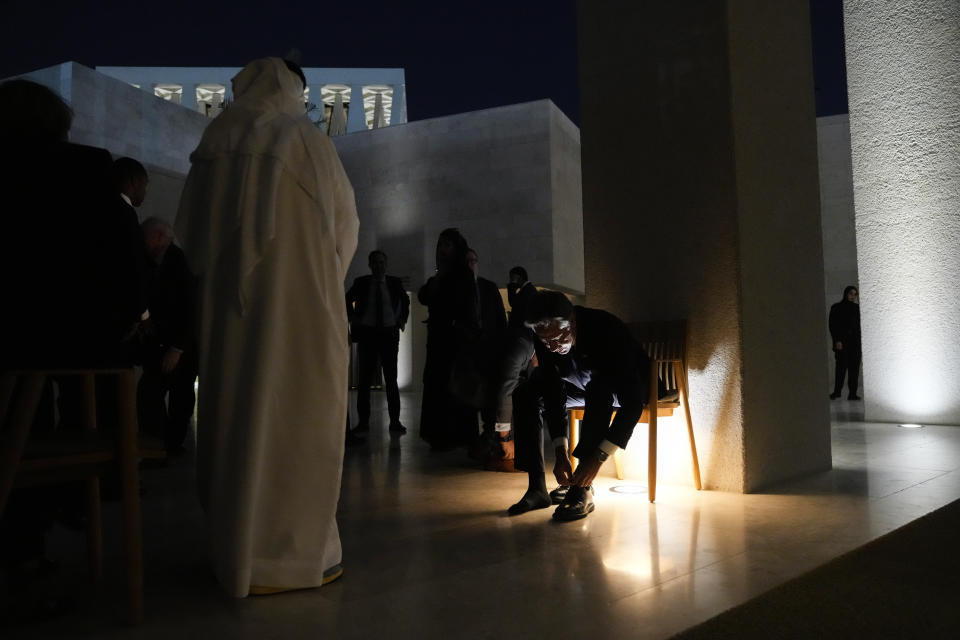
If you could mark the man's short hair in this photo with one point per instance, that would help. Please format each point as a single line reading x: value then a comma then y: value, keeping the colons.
x: 376, y: 252
x: 31, y: 111
x: 126, y: 170
x: 547, y: 307
x: 520, y: 271
x: 153, y: 222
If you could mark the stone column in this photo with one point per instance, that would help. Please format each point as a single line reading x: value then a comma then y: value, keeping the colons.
x: 904, y: 96
x: 356, y: 119
x: 700, y: 201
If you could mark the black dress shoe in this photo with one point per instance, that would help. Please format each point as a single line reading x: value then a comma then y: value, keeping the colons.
x: 530, y: 501
x: 558, y: 494
x: 578, y: 504
x: 834, y: 396
x: 853, y: 397
x: 396, y: 427
x: 362, y: 427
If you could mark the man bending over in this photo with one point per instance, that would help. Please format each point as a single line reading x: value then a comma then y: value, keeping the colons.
x: 594, y: 363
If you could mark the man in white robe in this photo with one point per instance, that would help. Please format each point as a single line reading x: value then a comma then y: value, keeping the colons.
x: 268, y: 222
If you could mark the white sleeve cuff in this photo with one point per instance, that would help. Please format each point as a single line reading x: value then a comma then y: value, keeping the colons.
x: 145, y: 315
x: 502, y: 427
x: 608, y: 447
x: 561, y: 442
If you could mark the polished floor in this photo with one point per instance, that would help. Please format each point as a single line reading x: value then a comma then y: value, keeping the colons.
x: 430, y: 553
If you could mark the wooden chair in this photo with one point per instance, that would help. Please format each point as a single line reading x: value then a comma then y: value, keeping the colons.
x: 78, y: 455
x: 665, y: 343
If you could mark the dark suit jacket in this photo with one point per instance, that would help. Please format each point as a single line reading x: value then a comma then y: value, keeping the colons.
x: 359, y: 294
x: 519, y: 302
x: 605, y: 357
x: 845, y: 324
x: 171, y: 298
x: 65, y: 272
x: 135, y: 253
x: 493, y: 318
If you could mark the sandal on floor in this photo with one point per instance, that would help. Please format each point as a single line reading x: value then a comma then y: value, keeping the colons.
x: 331, y: 574
x: 578, y: 504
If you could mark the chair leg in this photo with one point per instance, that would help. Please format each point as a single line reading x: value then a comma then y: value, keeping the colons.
x: 574, y: 437
x: 130, y: 481
x: 685, y: 401
x: 652, y: 432
x: 94, y: 531
x: 618, y: 463
x: 13, y: 436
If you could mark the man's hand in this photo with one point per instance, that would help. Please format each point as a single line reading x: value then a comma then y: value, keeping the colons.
x: 562, y: 470
x: 586, y: 471
x: 838, y: 346
x: 506, y: 449
x: 171, y: 358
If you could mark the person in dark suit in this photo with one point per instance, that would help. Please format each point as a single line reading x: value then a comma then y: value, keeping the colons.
x: 132, y: 180
x: 378, y: 308
x: 68, y: 285
x: 845, y: 331
x: 593, y: 362
x: 165, y: 395
x: 65, y: 286
x: 514, y: 366
x: 493, y: 328
x: 519, y: 292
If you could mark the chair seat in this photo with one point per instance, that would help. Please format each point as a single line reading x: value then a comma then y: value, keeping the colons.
x: 664, y: 410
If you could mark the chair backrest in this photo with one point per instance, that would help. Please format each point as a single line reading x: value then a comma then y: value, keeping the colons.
x: 665, y: 343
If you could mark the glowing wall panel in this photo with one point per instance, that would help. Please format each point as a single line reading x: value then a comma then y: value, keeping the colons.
x: 904, y: 96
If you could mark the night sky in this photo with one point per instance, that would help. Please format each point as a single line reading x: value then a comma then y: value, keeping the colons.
x: 458, y: 56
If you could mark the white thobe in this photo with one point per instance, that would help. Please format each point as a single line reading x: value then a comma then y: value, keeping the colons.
x: 268, y: 221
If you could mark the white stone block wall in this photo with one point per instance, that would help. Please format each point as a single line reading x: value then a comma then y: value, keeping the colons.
x: 904, y: 97
x: 508, y: 178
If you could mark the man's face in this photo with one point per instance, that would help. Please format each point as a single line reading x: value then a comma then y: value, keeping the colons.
x: 853, y: 296
x: 378, y: 265
x: 557, y: 337
x: 473, y: 261
x: 157, y: 241
x: 138, y: 190
x: 515, y: 278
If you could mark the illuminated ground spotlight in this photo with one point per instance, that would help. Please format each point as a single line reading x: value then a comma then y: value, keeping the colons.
x: 630, y: 489
x: 911, y: 426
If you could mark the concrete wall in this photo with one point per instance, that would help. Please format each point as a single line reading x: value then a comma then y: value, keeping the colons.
x: 704, y: 206
x: 904, y: 96
x: 507, y: 177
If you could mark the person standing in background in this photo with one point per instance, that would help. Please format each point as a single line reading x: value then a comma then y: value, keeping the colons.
x: 845, y: 332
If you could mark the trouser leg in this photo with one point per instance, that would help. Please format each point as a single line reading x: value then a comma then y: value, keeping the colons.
x: 841, y: 370
x: 388, y: 347
x: 181, y: 400
x: 853, y: 371
x: 528, y: 428
x: 367, y: 356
